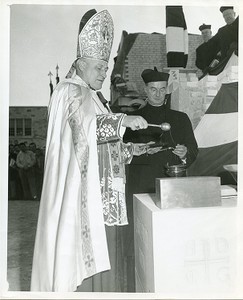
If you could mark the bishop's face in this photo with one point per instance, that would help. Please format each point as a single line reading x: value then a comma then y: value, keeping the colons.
x: 156, y: 92
x: 94, y: 73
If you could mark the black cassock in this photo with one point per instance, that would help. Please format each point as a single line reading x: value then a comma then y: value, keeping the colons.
x: 205, y: 55
x: 145, y: 168
x: 226, y: 39
x: 220, y: 46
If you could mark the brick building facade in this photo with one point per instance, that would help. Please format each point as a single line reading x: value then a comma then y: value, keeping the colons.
x: 28, y: 124
x: 149, y: 50
x: 190, y: 95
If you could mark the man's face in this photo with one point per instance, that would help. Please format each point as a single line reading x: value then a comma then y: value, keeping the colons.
x: 229, y: 16
x: 206, y: 34
x: 32, y: 147
x: 156, y: 92
x: 94, y: 73
x: 23, y: 148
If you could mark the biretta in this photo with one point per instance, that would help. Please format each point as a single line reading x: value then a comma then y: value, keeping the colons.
x: 223, y: 8
x: 95, y: 38
x: 150, y: 75
x: 204, y: 26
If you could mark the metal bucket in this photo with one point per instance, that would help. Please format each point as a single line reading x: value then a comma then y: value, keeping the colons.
x: 176, y: 170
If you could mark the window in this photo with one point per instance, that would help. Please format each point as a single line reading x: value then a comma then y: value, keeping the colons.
x: 11, y: 127
x: 27, y: 127
x: 20, y: 127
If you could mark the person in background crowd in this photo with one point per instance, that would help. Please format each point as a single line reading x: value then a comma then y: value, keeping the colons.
x: 172, y: 147
x: 26, y: 144
x: 32, y: 147
x: 84, y: 177
x: 206, y: 32
x: 40, y: 161
x: 16, y: 149
x: 25, y: 162
x: 15, y: 191
x: 12, y: 174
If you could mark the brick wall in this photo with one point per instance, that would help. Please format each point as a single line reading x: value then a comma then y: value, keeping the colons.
x: 149, y: 50
x: 39, y: 123
x: 194, y: 41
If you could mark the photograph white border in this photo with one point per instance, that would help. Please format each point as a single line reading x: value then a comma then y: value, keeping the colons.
x: 4, y: 91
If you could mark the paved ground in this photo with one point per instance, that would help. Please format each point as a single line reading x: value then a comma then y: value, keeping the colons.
x: 22, y: 221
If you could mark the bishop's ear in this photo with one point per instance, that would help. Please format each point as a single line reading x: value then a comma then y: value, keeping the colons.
x: 81, y: 64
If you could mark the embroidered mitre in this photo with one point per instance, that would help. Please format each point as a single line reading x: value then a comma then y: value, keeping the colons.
x: 96, y: 37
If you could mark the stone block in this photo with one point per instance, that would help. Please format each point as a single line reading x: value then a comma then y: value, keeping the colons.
x: 193, y: 79
x: 211, y: 84
x: 186, y: 253
x: 187, y: 192
x: 212, y: 92
x: 183, y: 84
x: 233, y: 69
x: 210, y: 78
x: 233, y: 76
x: 183, y: 79
x: 192, y: 84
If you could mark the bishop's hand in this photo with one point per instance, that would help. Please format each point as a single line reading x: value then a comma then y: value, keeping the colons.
x: 134, y: 122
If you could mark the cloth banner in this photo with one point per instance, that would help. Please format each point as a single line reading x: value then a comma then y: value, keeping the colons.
x: 176, y: 37
x: 217, y: 135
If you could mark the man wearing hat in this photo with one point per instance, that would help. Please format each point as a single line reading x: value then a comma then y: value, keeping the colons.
x: 227, y: 36
x: 206, y: 32
x: 203, y: 54
x: 174, y: 146
x: 226, y: 39
x: 83, y: 187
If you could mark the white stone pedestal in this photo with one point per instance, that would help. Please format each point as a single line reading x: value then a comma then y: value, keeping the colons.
x: 185, y: 252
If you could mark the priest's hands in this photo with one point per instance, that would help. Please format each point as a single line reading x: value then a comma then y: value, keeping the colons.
x: 141, y: 148
x: 180, y: 150
x: 134, y: 122
x: 152, y: 150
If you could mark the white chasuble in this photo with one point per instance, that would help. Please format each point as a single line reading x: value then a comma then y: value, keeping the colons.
x: 70, y: 240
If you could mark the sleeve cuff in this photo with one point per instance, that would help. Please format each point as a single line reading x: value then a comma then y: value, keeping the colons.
x: 122, y: 129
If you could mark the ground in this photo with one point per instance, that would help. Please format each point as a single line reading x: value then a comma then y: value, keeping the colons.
x: 22, y: 221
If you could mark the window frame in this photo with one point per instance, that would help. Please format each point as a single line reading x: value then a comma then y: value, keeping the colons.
x: 14, y: 128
